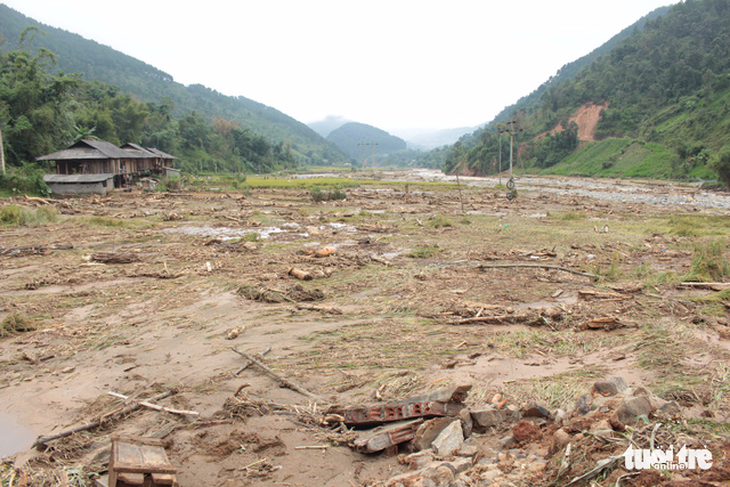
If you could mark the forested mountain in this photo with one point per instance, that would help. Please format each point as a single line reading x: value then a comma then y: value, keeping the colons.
x: 665, y: 90
x: 350, y: 137
x: 74, y: 54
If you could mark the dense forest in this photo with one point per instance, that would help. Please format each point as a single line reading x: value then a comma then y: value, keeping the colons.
x: 667, y: 91
x: 139, y: 81
x: 41, y: 112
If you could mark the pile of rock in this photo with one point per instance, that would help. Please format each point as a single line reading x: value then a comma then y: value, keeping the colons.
x: 467, y: 449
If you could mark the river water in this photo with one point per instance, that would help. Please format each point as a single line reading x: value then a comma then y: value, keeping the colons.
x: 14, y: 437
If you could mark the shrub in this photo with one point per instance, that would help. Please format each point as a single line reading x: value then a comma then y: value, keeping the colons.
x: 721, y: 165
x: 708, y: 263
x: 27, y: 179
x: 318, y: 195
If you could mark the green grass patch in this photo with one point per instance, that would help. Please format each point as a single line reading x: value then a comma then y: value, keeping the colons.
x: 708, y: 262
x: 424, y: 251
x: 15, y: 216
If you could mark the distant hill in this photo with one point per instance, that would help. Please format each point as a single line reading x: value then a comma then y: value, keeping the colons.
x: 348, y: 136
x: 74, y: 54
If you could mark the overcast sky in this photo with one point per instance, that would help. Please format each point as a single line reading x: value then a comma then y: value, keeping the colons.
x: 394, y: 64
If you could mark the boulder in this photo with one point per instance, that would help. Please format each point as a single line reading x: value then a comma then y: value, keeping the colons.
x: 487, y: 417
x: 631, y: 408
x: 428, y: 431
x: 535, y: 410
x: 450, y: 439
x: 610, y: 387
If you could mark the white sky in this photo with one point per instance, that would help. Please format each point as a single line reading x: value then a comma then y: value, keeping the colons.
x: 395, y: 64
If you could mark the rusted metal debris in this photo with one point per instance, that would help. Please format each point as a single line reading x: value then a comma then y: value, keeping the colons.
x: 443, y: 402
x: 389, y: 437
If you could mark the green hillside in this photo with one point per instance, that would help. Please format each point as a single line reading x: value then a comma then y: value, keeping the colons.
x: 667, y: 86
x: 350, y: 137
x: 75, y: 54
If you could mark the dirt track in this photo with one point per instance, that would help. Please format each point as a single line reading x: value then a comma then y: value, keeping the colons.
x: 404, y: 273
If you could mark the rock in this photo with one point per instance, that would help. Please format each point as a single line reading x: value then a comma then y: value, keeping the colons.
x: 525, y: 431
x: 424, y: 483
x: 506, y: 442
x: 537, y: 467
x: 450, y: 439
x: 419, y: 460
x: 467, y: 424
x: 561, y: 438
x: 468, y: 450
x: 491, y: 475
x: 535, y: 410
x: 632, y: 407
x: 487, y: 417
x: 611, y: 386
x: 670, y: 408
x: 583, y: 404
x: 428, y: 431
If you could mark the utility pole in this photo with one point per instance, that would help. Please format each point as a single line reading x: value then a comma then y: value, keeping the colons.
x: 363, y: 153
x: 372, y: 146
x: 2, y: 151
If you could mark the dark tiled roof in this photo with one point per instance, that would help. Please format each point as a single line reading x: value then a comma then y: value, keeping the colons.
x: 88, y: 149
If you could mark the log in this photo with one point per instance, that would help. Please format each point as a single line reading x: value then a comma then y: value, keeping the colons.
x: 42, y: 440
x: 540, y: 266
x: 282, y: 381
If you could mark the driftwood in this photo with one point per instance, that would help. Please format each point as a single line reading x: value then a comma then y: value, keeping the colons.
x: 713, y: 286
x: 248, y: 363
x: 114, y: 258
x: 35, y: 249
x: 540, y: 266
x: 156, y: 407
x: 300, y: 274
x: 322, y: 308
x: 495, y: 320
x: 282, y: 381
x: 43, y: 440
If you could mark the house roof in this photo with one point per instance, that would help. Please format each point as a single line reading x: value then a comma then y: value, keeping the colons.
x: 159, y: 153
x: 77, y: 178
x: 89, y: 149
x: 139, y: 151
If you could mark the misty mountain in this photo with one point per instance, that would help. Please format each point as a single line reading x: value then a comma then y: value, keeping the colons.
x: 326, y: 126
x: 350, y: 137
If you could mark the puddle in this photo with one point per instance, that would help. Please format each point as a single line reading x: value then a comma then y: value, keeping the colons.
x: 14, y: 437
x: 225, y: 233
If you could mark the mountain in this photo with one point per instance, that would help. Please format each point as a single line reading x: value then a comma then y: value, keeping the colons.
x: 74, y: 54
x: 326, y: 126
x: 351, y: 137
x: 653, y: 102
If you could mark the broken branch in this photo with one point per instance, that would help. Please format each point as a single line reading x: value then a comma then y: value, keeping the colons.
x: 156, y: 407
x: 282, y: 381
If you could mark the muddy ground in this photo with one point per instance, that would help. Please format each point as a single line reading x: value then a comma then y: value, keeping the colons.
x: 140, y: 293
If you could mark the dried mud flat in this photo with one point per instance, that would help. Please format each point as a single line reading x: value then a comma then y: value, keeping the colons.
x: 388, y: 294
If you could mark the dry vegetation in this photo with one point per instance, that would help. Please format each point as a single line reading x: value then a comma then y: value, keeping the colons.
x: 139, y: 293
